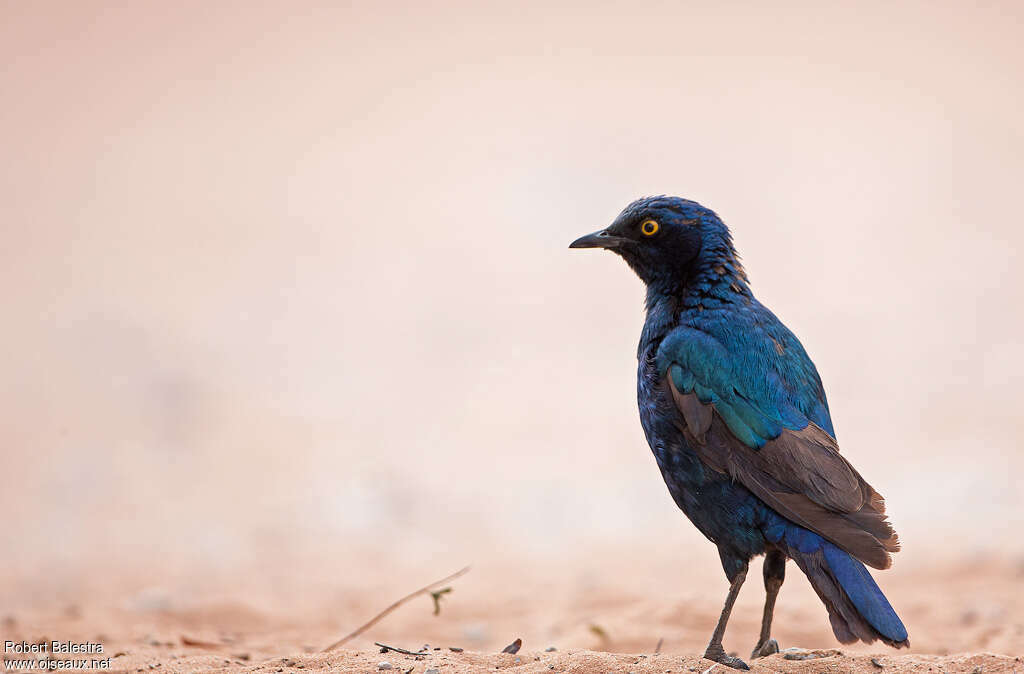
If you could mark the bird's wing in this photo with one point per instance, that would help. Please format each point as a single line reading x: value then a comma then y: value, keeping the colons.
x: 751, y: 405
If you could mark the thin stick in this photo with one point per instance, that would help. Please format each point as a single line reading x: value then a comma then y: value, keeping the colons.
x: 389, y: 609
x: 398, y: 650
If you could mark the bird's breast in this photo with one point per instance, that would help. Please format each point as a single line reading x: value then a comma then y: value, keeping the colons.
x: 679, y: 464
x: 656, y: 409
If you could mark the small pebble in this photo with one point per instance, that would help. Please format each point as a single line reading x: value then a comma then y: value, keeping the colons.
x: 513, y: 647
x: 432, y: 671
x: 384, y: 665
x: 550, y: 649
x: 802, y: 654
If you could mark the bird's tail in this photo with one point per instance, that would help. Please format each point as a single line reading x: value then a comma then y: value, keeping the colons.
x: 856, y: 606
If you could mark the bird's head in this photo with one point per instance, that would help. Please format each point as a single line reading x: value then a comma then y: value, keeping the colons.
x: 666, y: 240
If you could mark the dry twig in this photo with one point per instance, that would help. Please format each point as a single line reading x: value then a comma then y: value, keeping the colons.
x: 389, y: 609
x: 384, y: 648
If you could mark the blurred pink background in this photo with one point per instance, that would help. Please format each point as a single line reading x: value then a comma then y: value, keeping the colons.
x: 290, y: 282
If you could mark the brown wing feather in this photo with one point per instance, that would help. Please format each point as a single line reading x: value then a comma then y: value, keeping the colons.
x: 801, y: 475
x: 697, y: 416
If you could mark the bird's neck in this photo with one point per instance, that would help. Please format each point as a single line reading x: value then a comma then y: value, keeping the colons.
x: 711, y: 282
x: 715, y: 278
x: 662, y: 312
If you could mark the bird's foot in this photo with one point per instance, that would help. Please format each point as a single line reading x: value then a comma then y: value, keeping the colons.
x: 716, y: 653
x: 765, y: 649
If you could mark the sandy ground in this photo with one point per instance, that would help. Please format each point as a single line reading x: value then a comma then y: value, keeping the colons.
x: 584, y: 662
x: 963, y: 617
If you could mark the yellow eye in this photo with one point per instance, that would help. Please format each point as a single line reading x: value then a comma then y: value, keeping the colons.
x: 649, y: 227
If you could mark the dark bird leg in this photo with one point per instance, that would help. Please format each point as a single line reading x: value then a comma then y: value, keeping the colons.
x: 714, y: 650
x: 774, y: 574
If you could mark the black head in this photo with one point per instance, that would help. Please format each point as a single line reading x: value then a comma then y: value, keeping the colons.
x: 664, y: 239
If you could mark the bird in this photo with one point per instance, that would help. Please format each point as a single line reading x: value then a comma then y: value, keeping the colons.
x: 735, y: 413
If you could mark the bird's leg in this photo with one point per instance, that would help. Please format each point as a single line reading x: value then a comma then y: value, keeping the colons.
x: 714, y: 650
x: 774, y: 574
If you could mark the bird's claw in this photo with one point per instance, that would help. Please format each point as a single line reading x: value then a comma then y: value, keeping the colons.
x: 717, y: 654
x: 765, y: 649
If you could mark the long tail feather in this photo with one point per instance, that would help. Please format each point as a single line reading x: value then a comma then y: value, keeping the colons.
x: 856, y: 606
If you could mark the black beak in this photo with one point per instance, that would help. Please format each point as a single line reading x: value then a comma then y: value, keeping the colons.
x: 600, y: 239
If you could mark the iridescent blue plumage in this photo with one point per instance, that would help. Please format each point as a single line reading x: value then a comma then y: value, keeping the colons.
x: 737, y: 418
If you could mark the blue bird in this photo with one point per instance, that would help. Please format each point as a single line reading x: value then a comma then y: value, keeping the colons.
x: 736, y: 416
